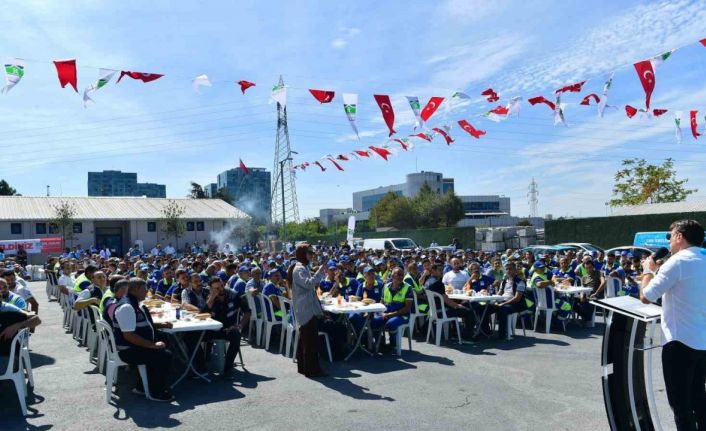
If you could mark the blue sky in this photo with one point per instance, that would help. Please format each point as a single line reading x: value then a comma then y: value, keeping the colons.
x: 168, y: 134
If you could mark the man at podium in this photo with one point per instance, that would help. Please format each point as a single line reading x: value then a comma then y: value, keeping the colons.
x: 681, y: 283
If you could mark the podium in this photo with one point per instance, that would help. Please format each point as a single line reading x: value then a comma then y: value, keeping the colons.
x: 627, y: 346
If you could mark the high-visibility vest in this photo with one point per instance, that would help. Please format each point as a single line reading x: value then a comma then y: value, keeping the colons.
x: 400, y: 297
x: 79, y: 281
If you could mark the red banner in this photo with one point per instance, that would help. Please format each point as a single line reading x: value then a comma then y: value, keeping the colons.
x: 33, y: 246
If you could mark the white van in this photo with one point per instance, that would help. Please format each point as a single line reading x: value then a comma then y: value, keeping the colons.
x: 389, y: 244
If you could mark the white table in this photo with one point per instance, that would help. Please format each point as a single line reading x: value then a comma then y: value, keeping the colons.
x: 348, y: 308
x: 490, y: 299
x: 572, y: 292
x: 187, y: 324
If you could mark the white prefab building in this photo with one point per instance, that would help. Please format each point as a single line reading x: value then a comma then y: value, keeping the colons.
x: 117, y: 222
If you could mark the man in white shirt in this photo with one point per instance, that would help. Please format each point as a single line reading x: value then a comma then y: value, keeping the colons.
x: 681, y: 283
x: 105, y: 253
x: 20, y: 288
x: 455, y: 277
x: 169, y: 250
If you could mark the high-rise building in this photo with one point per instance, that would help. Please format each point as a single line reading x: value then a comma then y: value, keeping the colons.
x: 210, y: 190
x: 117, y: 183
x: 365, y: 200
x: 251, y: 192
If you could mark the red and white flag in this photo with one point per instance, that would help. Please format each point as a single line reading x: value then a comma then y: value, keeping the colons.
x: 541, y: 99
x: 380, y: 152
x: 465, y: 125
x: 244, y: 85
x: 243, y: 167
x: 445, y: 134
x: 323, y: 96
x: 342, y: 157
x: 422, y: 135
x: 694, y: 126
x: 630, y: 111
x: 647, y: 78
x: 403, y: 143
x: 587, y: 100
x: 658, y: 112
x: 339, y: 167
x: 431, y: 107
x: 388, y: 114
x: 361, y: 153
x: 66, y: 70
x: 490, y: 95
x: 144, y: 77
x: 573, y: 88
x: 321, y: 166
x: 703, y: 42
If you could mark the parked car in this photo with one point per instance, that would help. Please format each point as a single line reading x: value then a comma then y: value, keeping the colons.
x: 443, y: 249
x: 389, y: 244
x: 640, y: 252
x: 585, y: 246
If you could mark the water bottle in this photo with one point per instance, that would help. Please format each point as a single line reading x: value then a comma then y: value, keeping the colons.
x: 178, y: 313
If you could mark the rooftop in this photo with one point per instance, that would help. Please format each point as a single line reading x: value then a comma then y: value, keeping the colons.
x: 113, y: 208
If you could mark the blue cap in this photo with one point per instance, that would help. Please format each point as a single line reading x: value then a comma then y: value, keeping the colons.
x: 271, y: 261
x: 279, y: 256
x: 379, y: 262
x: 244, y: 268
x: 273, y: 271
x: 345, y: 258
x: 538, y: 265
x: 144, y: 267
x: 331, y: 265
x: 367, y: 270
x: 630, y: 256
x: 624, y: 253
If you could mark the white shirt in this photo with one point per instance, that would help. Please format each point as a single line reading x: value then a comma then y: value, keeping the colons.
x: 23, y: 291
x: 66, y: 280
x: 155, y: 251
x: 681, y: 282
x: 169, y: 250
x: 105, y: 253
x: 455, y: 279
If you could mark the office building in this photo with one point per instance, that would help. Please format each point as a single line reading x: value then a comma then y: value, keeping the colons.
x: 210, y: 190
x: 117, y: 183
x: 251, y: 192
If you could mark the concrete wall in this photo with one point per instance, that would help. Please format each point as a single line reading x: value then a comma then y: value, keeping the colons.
x: 608, y: 232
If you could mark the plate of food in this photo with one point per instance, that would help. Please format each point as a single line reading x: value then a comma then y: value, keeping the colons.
x: 368, y: 301
x: 202, y: 316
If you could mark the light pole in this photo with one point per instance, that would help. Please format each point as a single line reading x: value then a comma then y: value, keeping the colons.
x: 281, y: 176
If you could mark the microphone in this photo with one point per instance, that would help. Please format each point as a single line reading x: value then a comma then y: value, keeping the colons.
x: 661, y: 253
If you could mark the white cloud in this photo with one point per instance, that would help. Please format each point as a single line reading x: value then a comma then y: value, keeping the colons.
x: 346, y: 34
x: 339, y: 43
x: 364, y: 134
x: 470, y: 9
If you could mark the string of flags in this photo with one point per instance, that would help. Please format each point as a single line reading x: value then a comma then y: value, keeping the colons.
x: 15, y: 70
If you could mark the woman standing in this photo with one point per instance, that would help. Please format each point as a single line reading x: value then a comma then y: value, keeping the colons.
x: 307, y: 310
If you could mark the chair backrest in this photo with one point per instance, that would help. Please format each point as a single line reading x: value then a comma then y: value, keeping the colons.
x: 286, y: 307
x: 268, y: 309
x: 545, y: 298
x: 17, y: 342
x: 613, y: 285
x: 53, y: 279
x: 95, y: 315
x: 416, y: 303
x: 437, y: 308
x: 251, y: 304
x: 105, y: 333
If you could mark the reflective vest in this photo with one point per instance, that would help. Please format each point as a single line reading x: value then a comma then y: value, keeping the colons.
x: 414, y: 284
x: 399, y: 298
x: 143, y: 325
x: 82, y: 279
x: 530, y: 287
x: 17, y: 301
x: 106, y: 295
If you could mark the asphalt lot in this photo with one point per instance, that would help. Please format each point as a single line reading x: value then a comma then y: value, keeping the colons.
x: 541, y: 381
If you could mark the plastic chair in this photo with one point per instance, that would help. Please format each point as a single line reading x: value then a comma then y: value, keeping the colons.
x: 545, y: 303
x: 438, y: 316
x: 414, y: 316
x: 26, y: 363
x: 92, y: 339
x: 15, y: 362
x: 255, y: 320
x: 51, y: 285
x: 321, y: 334
x: 269, y: 320
x: 288, y: 326
x: 613, y: 286
x: 398, y: 334
x: 113, y: 362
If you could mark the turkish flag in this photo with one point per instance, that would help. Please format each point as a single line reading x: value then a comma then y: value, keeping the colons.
x: 630, y: 111
x: 491, y: 95
x: 323, y: 96
x: 144, y: 77
x: 388, y: 114
x: 465, y: 125
x: 402, y: 143
x: 587, y: 100
x: 362, y: 153
x: 500, y: 110
x: 703, y: 42
x: 541, y: 99
x: 431, y: 107
x: 658, y: 112
x: 443, y: 133
x: 319, y: 165
x: 66, y: 69
x: 694, y: 126
x: 336, y: 164
x: 380, y: 152
x: 573, y: 88
x: 243, y: 167
x: 423, y: 136
x: 244, y: 85
x: 342, y: 157
x: 647, y: 78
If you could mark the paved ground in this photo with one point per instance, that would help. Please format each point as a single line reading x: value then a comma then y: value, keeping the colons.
x: 542, y: 381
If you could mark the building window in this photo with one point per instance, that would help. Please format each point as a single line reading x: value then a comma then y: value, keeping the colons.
x: 189, y: 226
x: 53, y: 228
x: 78, y: 228
x: 16, y: 228
x: 151, y: 226
x: 41, y: 228
x: 199, y: 226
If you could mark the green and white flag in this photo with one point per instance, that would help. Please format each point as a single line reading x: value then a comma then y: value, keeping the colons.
x: 514, y: 106
x: 559, y: 112
x: 659, y: 59
x: 104, y: 77
x: 677, y: 124
x: 603, y: 103
x: 350, y: 102
x: 14, y: 71
x: 279, y: 95
x: 416, y: 108
x: 460, y: 95
x: 200, y: 81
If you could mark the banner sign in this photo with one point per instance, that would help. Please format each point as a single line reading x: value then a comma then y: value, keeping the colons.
x: 351, y: 230
x: 33, y: 246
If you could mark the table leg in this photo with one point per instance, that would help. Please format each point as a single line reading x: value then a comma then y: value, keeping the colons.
x: 359, y: 336
x: 190, y: 363
x: 479, y: 326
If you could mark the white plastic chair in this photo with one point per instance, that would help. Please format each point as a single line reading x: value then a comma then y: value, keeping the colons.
x: 15, y: 370
x: 321, y: 334
x: 544, y: 305
x: 613, y: 285
x: 416, y: 315
x: 51, y: 285
x: 269, y: 321
x: 92, y: 339
x: 113, y: 362
x: 255, y: 320
x: 398, y: 334
x: 288, y: 327
x: 438, y: 316
x: 26, y: 363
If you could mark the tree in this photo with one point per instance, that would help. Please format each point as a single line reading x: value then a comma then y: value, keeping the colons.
x: 306, y: 229
x: 451, y: 209
x: 224, y: 195
x: 639, y: 182
x: 196, y: 191
x: 524, y: 222
x: 6, y: 190
x: 172, y: 222
x: 394, y: 211
x: 426, y: 204
x: 64, y: 213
